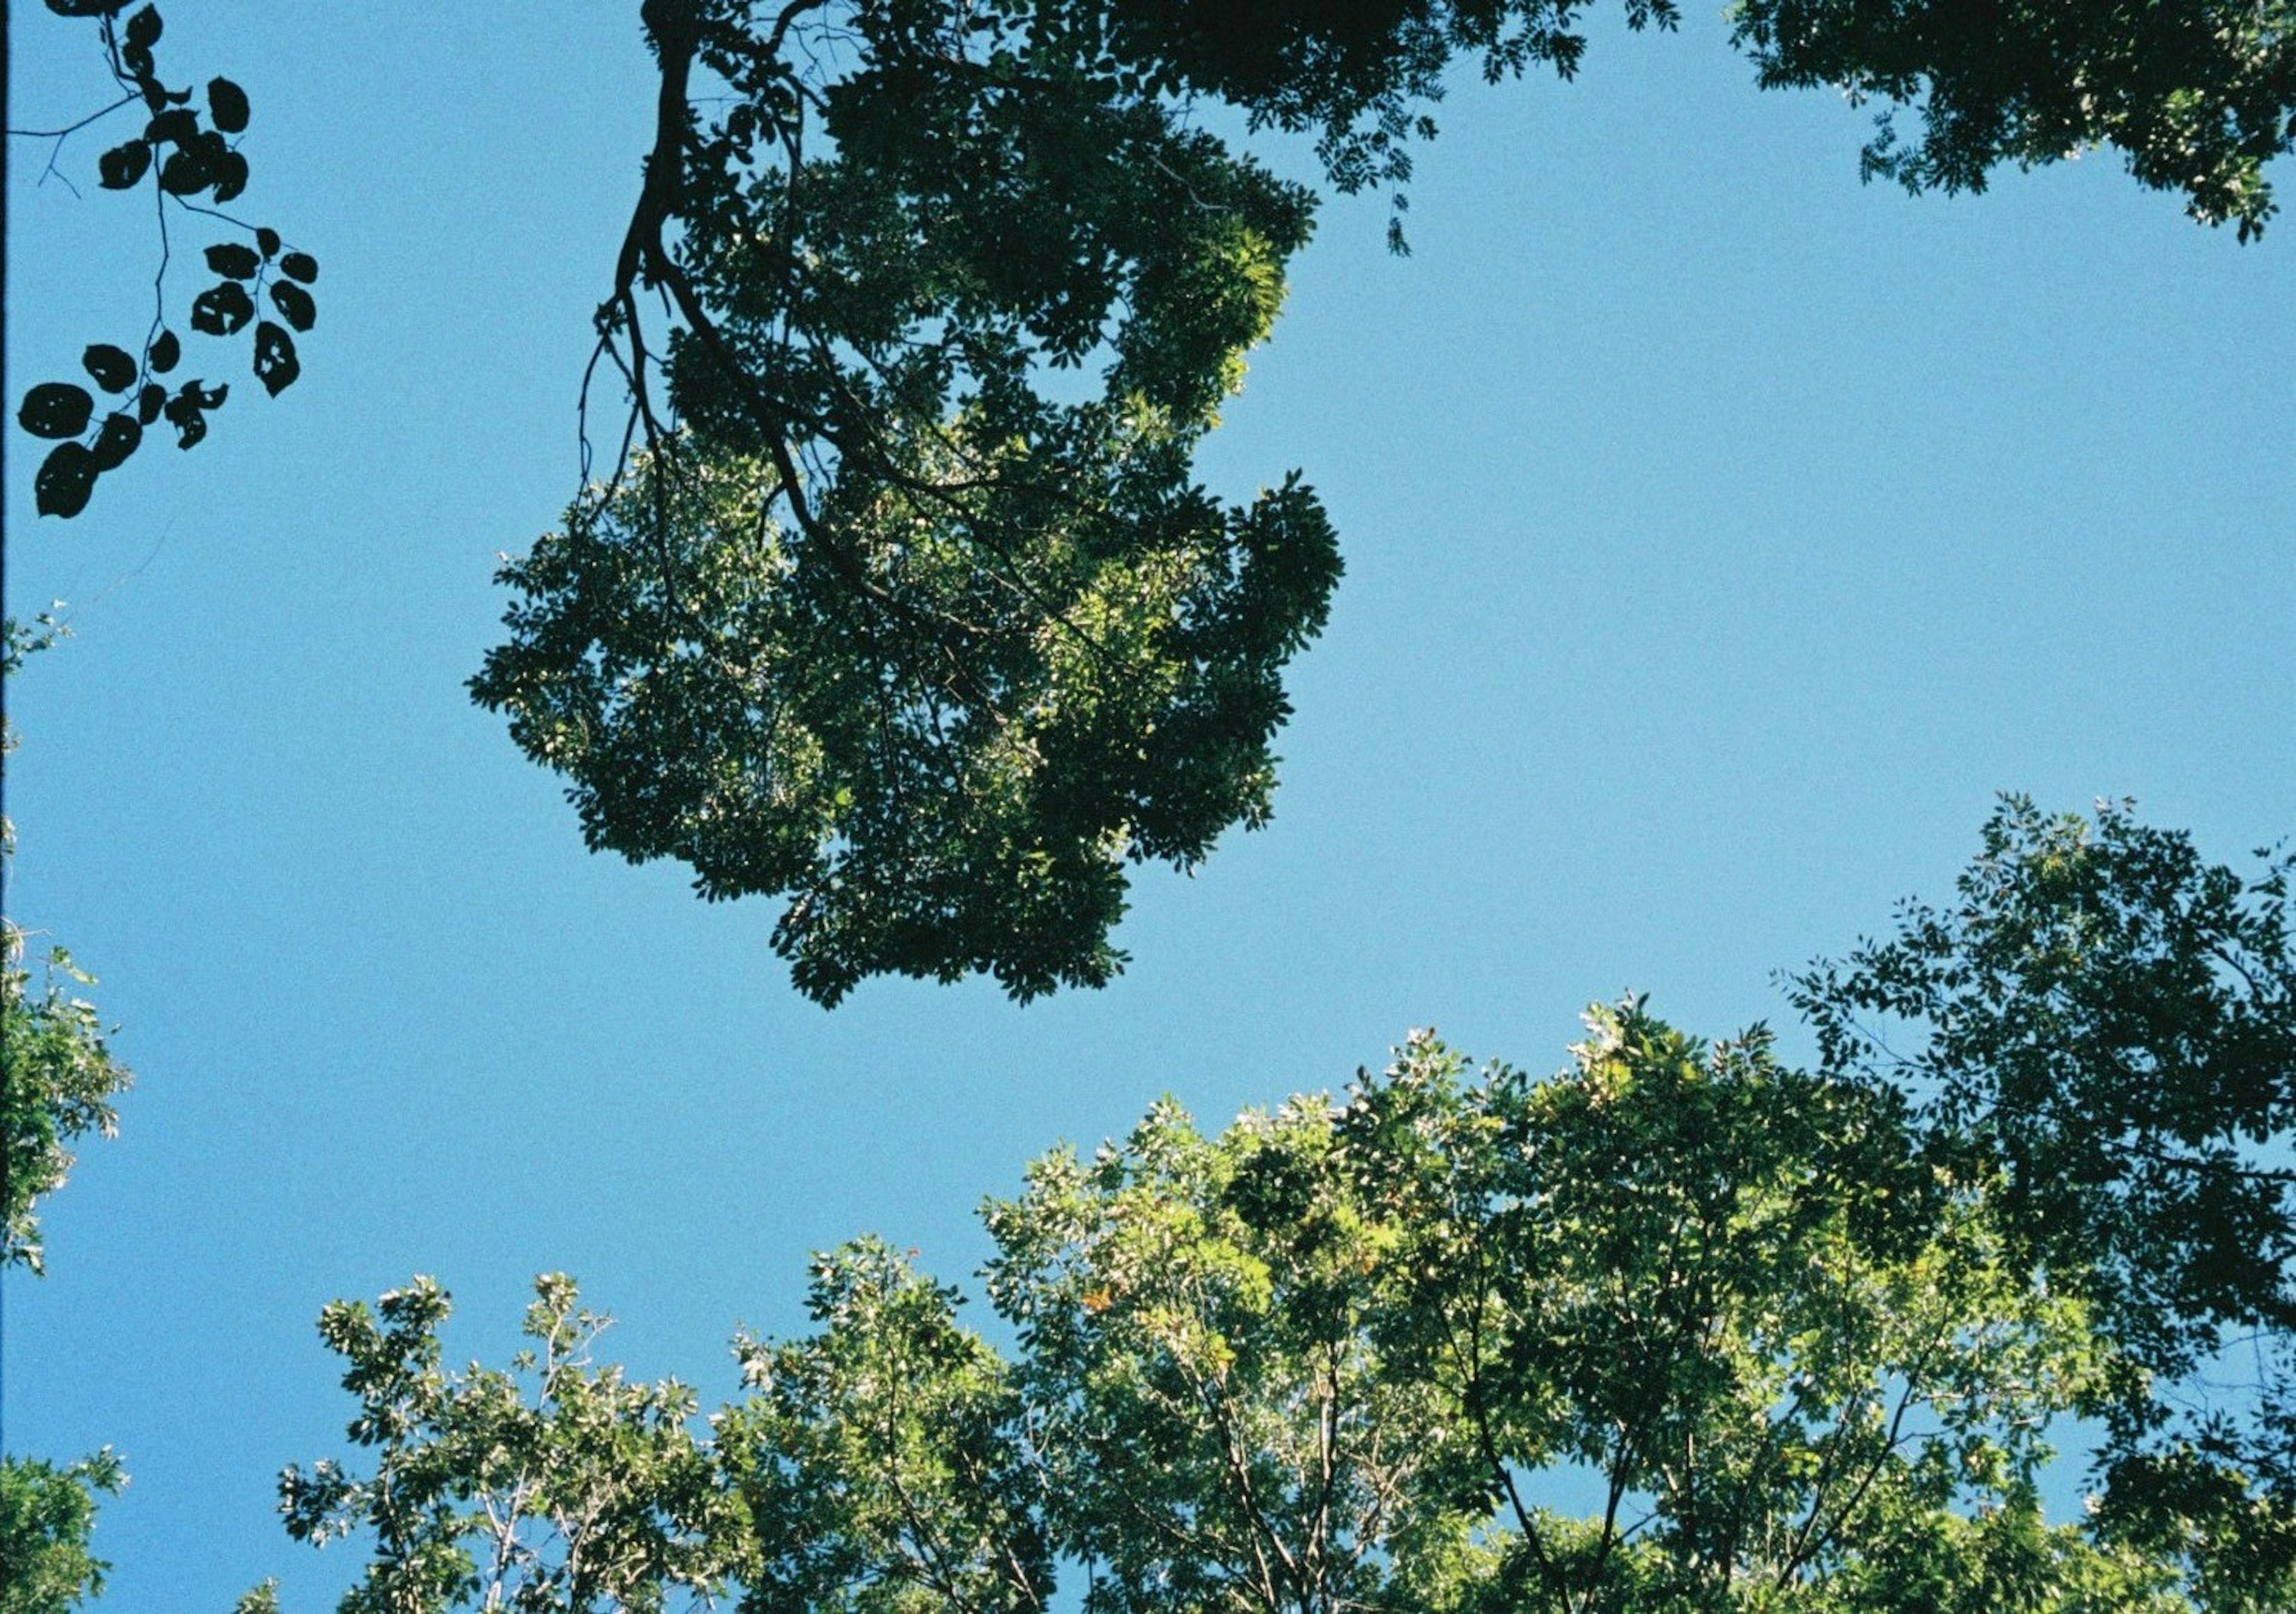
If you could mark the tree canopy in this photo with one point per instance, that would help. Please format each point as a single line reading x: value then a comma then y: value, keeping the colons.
x: 1681, y: 1326
x: 890, y: 591
x: 61, y: 1075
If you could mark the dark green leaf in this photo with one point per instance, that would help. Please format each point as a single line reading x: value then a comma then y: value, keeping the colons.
x: 235, y: 259
x: 294, y: 304
x: 222, y: 310
x: 150, y: 402
x: 267, y: 238
x: 227, y: 105
x: 275, y: 364
x: 187, y: 172
x: 144, y: 29
x: 300, y: 265
x: 123, y: 164
x: 163, y: 353
x: 117, y: 440
x: 186, y: 411
x: 173, y: 127
x: 113, y: 368
x: 56, y: 409
x: 230, y: 176
x: 65, y: 479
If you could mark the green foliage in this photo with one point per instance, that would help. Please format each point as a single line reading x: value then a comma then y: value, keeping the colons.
x: 1362, y: 75
x: 919, y: 619
x: 61, y: 1083
x: 2197, y: 95
x: 554, y: 1486
x: 882, y: 1462
x: 60, y: 1077
x: 1208, y: 1407
x: 1679, y: 1328
x: 2108, y: 1022
x: 2111, y: 1022
x: 46, y: 1517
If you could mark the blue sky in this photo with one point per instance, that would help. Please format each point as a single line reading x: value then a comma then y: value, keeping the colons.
x: 1721, y: 536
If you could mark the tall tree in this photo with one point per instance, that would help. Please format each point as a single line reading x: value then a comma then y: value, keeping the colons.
x: 58, y: 1081
x: 890, y: 592
x: 2108, y: 1021
x: 58, y: 1078
x: 1679, y: 1327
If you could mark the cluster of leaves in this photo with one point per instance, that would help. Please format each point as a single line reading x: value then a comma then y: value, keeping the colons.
x: 1679, y: 1328
x: 1349, y: 1356
x: 2197, y: 94
x: 60, y: 1078
x: 557, y: 1485
x: 2108, y: 1021
x: 57, y: 1082
x: 48, y: 1515
x: 915, y: 614
x: 1360, y: 76
x: 192, y: 167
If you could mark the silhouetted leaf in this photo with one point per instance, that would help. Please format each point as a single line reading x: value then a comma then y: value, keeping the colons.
x: 222, y: 310
x: 173, y: 127
x: 186, y: 411
x: 294, y: 304
x: 113, y: 368
x: 150, y: 402
x: 144, y: 29
x: 267, y: 238
x: 235, y: 259
x: 64, y: 481
x: 56, y: 409
x: 230, y: 176
x: 121, y: 167
x: 121, y: 434
x: 86, y: 8
x: 227, y: 105
x: 163, y: 353
x: 275, y: 364
x: 300, y: 265
x: 186, y: 171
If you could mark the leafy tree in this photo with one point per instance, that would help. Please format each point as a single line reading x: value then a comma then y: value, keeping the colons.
x: 46, y: 1516
x: 890, y: 621
x: 894, y: 595
x: 60, y: 1077
x: 557, y: 1485
x: 1678, y: 1328
x: 2108, y: 1022
x: 57, y: 1082
x: 2196, y: 95
x: 883, y: 1463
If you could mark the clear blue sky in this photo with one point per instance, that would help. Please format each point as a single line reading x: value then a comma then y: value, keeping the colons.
x: 1721, y: 536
